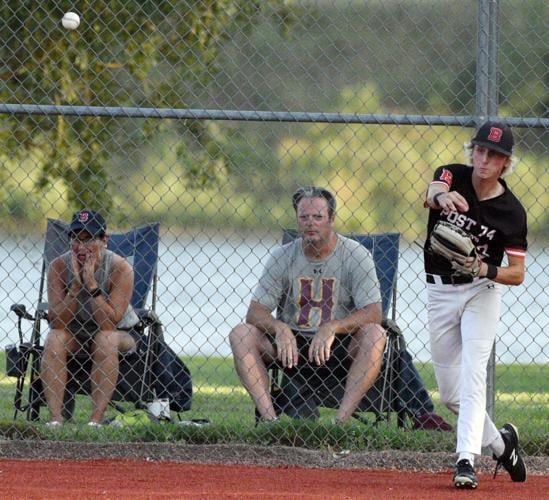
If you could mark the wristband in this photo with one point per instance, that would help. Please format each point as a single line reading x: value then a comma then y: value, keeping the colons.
x: 435, y: 198
x: 491, y: 272
x: 95, y: 292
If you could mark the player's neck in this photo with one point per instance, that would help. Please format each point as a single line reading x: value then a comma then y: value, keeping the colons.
x: 486, y: 189
x: 320, y: 250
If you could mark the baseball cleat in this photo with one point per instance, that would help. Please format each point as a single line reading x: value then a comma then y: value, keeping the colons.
x: 511, y: 459
x: 465, y: 476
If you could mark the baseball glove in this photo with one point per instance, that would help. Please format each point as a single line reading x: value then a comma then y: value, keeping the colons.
x: 455, y: 245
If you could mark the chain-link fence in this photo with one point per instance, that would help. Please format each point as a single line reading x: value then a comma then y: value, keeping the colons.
x: 195, y: 121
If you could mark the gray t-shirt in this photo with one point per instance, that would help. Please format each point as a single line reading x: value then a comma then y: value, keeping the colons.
x: 318, y: 291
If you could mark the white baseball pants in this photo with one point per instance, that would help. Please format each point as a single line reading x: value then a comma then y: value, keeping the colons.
x: 462, y: 324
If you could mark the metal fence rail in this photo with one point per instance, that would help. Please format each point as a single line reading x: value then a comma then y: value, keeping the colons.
x: 259, y: 116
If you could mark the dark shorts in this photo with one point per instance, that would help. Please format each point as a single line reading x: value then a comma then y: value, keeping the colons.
x: 307, y: 386
x: 84, y: 332
x: 339, y: 361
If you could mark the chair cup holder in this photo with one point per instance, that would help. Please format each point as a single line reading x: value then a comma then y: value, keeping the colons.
x: 14, y: 361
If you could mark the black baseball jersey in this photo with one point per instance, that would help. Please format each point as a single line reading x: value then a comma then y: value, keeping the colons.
x: 496, y: 225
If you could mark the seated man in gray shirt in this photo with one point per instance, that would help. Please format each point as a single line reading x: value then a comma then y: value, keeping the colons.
x: 327, y: 287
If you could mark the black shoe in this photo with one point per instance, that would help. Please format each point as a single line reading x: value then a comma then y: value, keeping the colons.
x: 464, y: 475
x: 511, y: 459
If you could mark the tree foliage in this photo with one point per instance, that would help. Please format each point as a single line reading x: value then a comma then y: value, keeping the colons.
x: 125, y: 53
x: 356, y: 57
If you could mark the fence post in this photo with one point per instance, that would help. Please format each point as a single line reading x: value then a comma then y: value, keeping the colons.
x: 487, y: 106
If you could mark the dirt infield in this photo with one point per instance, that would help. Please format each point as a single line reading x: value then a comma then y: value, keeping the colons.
x: 49, y: 469
x: 59, y: 479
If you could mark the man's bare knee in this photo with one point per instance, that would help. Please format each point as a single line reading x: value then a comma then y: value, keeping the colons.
x: 105, y: 344
x: 378, y: 334
x: 247, y: 339
x: 244, y: 337
x: 371, y: 338
x: 125, y: 341
x: 57, y: 342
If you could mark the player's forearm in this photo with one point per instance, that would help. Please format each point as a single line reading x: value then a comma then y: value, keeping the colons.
x: 369, y: 314
x: 61, y: 313
x: 434, y: 192
x: 104, y: 314
x: 509, y: 275
x: 108, y: 310
x: 260, y: 317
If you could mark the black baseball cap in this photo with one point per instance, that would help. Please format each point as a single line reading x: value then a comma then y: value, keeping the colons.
x: 89, y: 221
x: 496, y: 136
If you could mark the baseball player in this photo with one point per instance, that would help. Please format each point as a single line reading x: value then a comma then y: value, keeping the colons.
x: 464, y: 308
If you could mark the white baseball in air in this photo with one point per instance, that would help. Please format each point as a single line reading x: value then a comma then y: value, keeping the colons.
x: 71, y: 20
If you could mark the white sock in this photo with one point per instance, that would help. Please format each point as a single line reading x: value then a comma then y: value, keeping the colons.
x: 467, y: 456
x: 498, y: 446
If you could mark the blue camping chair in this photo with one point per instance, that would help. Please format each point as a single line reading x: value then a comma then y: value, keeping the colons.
x: 382, y: 398
x: 142, y: 376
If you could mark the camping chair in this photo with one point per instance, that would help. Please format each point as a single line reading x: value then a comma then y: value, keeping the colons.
x: 142, y: 376
x: 382, y: 398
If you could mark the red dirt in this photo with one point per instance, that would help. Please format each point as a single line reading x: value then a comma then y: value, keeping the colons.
x: 120, y: 479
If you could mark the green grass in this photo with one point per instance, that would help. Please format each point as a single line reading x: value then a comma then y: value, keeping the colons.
x: 522, y: 398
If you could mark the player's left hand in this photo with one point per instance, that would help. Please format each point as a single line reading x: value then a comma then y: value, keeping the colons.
x: 470, y: 266
x: 88, y: 270
x: 76, y: 270
x: 455, y: 245
x: 321, y: 345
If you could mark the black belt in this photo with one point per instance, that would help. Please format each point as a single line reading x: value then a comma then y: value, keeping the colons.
x: 449, y: 279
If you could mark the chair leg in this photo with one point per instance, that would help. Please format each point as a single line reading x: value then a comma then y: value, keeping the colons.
x: 388, y: 393
x: 400, y: 409
x: 18, y: 396
x: 36, y: 392
x: 396, y: 404
x: 401, y: 417
x: 33, y: 410
x: 119, y: 408
x: 25, y: 354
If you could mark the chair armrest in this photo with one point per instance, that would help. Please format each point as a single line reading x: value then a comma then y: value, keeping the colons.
x: 391, y: 327
x: 147, y: 316
x: 394, y: 333
x: 21, y: 311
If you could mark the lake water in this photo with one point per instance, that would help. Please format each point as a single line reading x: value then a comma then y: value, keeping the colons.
x: 205, y: 285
